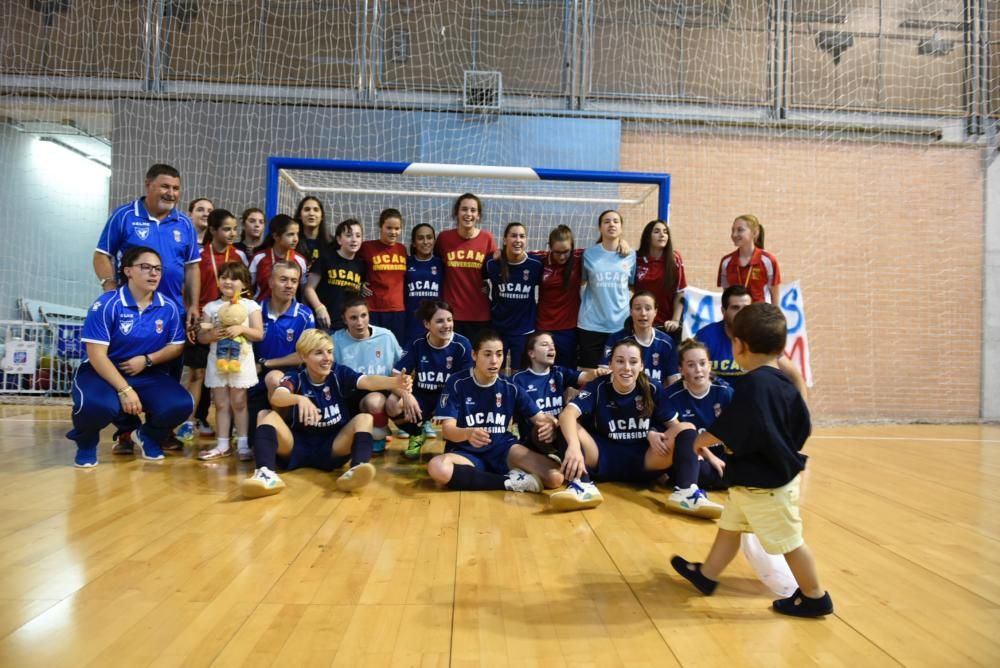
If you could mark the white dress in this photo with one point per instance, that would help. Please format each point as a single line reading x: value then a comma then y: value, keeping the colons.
x: 247, y: 377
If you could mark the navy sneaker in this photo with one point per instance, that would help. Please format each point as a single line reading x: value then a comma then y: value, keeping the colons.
x: 86, y: 458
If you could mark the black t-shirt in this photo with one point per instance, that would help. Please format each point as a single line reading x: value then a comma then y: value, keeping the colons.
x: 764, y: 428
x: 338, y: 277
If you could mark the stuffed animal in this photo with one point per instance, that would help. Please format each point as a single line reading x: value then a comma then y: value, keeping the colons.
x: 228, y: 350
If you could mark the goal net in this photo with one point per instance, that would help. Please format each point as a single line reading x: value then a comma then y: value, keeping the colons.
x: 538, y: 198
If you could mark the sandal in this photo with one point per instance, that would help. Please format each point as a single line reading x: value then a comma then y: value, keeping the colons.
x: 214, y: 453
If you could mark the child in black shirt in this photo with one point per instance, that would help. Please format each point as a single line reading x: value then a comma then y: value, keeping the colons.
x: 763, y: 430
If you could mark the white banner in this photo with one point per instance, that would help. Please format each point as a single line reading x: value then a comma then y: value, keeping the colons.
x: 704, y: 308
x: 20, y: 356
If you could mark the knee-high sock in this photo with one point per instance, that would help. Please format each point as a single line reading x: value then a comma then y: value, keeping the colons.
x: 361, y: 450
x: 265, y: 447
x: 684, y: 470
x: 465, y: 477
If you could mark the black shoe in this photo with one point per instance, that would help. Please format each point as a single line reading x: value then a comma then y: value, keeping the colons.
x: 800, y: 605
x: 172, y: 444
x: 693, y: 575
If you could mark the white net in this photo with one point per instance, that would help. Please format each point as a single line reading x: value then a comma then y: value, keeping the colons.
x: 869, y: 117
x: 538, y: 205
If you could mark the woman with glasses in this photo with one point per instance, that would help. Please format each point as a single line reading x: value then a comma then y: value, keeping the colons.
x: 130, y: 333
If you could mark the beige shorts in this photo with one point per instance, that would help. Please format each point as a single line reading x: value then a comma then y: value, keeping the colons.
x: 772, y: 514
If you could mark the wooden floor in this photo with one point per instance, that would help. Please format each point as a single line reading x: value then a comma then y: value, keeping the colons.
x: 136, y: 564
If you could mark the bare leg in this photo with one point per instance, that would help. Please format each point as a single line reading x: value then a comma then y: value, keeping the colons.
x: 544, y: 467
x: 223, y: 414
x: 724, y: 549
x: 803, y: 566
x: 238, y: 404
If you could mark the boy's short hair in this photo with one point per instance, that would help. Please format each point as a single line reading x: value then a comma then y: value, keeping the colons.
x: 310, y: 340
x: 762, y: 327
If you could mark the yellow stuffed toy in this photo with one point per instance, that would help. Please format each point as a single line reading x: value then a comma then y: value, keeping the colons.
x: 228, y: 350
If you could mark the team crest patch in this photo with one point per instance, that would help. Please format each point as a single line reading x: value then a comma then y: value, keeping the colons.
x: 656, y: 359
x: 159, y: 327
x: 717, y: 409
x: 499, y: 400
x: 434, y: 271
x: 378, y: 353
x: 447, y: 362
x: 639, y: 404
x: 527, y: 274
x: 326, y: 393
x: 142, y: 232
x: 552, y: 384
x: 289, y: 335
x: 177, y: 236
x: 125, y: 326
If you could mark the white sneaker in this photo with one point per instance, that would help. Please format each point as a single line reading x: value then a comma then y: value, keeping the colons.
x: 356, y: 477
x: 263, y: 482
x: 577, y: 496
x: 522, y: 481
x: 694, y: 501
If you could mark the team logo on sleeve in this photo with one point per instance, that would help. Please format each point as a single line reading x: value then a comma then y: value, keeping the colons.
x: 177, y: 236
x: 499, y: 399
x: 639, y: 404
x: 96, y: 306
x: 159, y: 327
x: 584, y: 394
x: 447, y: 362
x: 444, y: 399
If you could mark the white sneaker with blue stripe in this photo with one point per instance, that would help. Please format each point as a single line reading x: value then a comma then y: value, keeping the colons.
x: 578, y: 495
x: 694, y: 501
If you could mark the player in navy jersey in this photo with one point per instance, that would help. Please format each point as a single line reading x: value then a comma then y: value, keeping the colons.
x: 698, y: 399
x: 424, y: 278
x: 659, y: 355
x: 476, y: 410
x: 431, y: 359
x: 514, y: 277
x: 322, y: 432
x: 131, y: 334
x: 547, y: 384
x: 612, y: 430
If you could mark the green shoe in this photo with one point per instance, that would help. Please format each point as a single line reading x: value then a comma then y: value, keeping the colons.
x: 413, y: 447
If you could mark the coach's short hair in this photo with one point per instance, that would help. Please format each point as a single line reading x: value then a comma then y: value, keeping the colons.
x: 160, y: 169
x: 310, y: 340
x: 762, y: 327
x: 287, y: 264
x: 732, y: 291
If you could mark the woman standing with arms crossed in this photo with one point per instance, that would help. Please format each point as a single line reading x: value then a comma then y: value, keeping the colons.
x: 608, y: 270
x: 464, y: 251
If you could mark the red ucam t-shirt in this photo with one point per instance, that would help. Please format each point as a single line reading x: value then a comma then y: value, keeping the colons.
x: 649, y: 276
x: 463, y: 274
x: 386, y: 265
x: 558, y: 305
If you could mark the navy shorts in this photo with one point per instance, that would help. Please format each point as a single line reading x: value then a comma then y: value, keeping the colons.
x: 492, y: 458
x: 622, y: 462
x: 314, y: 451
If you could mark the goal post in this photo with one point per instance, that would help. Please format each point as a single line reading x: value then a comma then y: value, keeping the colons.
x: 424, y: 192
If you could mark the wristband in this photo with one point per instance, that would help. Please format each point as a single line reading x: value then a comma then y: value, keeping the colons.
x: 125, y: 390
x: 321, y: 307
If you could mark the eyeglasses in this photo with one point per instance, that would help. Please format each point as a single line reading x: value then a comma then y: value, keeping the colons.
x: 147, y: 268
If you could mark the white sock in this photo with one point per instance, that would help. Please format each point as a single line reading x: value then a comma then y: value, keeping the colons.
x: 222, y: 444
x: 242, y: 443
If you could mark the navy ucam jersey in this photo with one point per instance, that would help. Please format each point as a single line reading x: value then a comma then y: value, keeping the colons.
x: 616, y: 416
x: 432, y: 366
x: 491, y: 407
x: 700, y: 411
x: 328, y: 397
x: 424, y: 279
x: 659, y: 357
x: 513, y: 302
x: 547, y: 389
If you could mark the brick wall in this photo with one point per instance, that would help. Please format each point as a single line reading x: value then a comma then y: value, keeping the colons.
x: 887, y: 241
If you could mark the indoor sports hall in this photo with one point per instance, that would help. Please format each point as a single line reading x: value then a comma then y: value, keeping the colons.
x: 863, y: 134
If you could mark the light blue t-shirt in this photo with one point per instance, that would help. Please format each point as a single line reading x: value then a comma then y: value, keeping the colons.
x: 604, y: 306
x: 374, y: 356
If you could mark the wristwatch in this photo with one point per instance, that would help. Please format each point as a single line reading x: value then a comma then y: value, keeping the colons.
x: 149, y: 361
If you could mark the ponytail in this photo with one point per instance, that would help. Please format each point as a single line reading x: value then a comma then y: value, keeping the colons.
x: 646, y: 390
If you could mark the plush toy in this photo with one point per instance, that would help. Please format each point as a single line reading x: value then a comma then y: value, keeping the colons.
x: 228, y: 351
